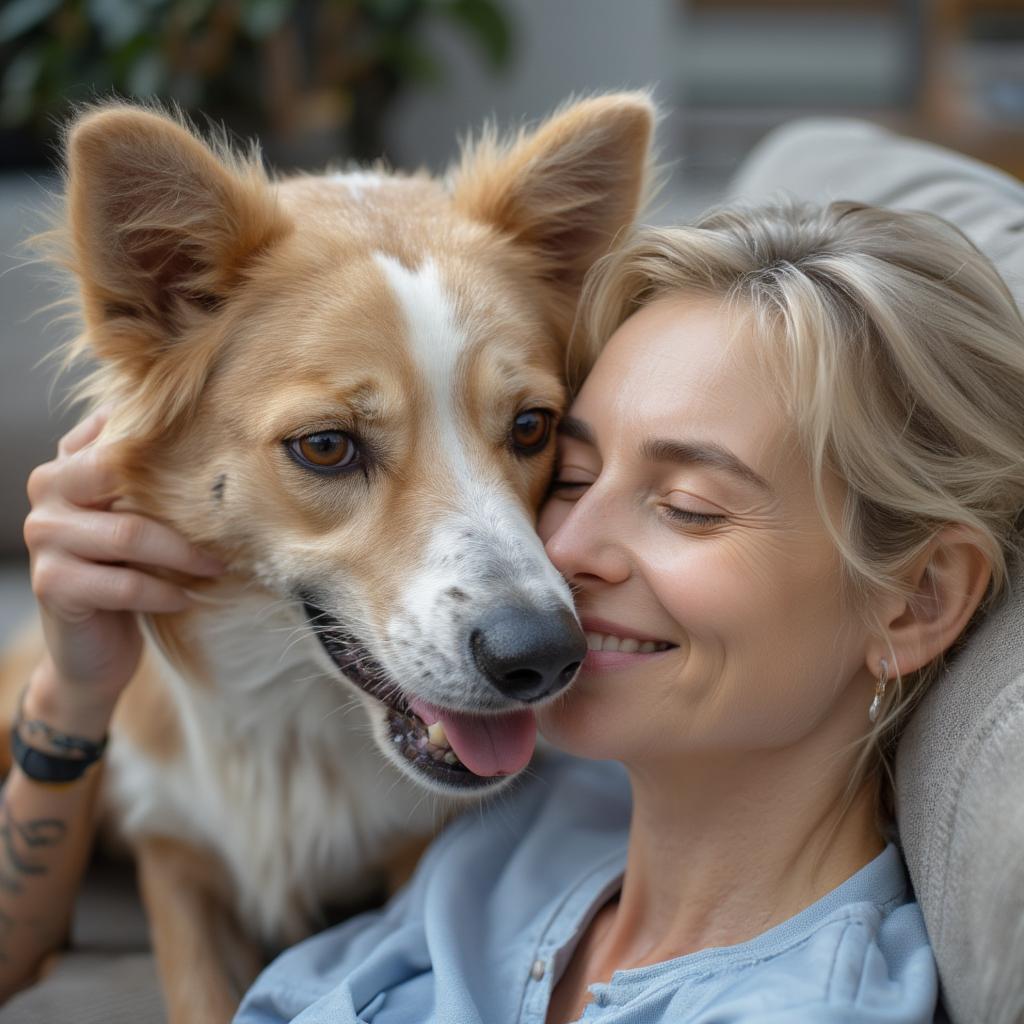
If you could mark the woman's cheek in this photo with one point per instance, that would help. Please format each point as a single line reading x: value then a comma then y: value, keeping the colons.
x: 728, y: 582
x: 702, y: 585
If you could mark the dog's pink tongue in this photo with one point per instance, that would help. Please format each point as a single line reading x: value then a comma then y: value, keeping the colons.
x: 486, y: 745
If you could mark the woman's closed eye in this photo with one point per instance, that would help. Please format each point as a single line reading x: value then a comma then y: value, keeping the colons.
x: 687, y: 510
x: 689, y: 517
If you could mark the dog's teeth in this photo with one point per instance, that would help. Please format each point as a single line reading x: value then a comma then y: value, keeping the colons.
x: 436, y: 735
x: 450, y: 758
x: 648, y: 647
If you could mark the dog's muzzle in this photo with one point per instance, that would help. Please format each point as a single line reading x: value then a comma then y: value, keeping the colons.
x: 525, y: 655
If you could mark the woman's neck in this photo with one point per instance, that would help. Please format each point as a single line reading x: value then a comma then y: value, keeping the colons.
x: 722, y: 850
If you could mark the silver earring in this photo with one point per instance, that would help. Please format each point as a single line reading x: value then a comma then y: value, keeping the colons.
x: 883, y: 678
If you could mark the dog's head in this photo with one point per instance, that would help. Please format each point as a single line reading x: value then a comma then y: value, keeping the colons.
x: 347, y: 385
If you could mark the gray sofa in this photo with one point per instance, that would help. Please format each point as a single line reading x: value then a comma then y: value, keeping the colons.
x: 960, y: 769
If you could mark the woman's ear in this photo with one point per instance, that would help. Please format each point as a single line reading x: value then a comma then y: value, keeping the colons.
x: 948, y: 581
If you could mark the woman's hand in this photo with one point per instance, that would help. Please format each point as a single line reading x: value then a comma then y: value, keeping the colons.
x: 90, y: 575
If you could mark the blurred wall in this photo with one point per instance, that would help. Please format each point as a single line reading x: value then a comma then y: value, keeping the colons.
x: 562, y: 47
x: 29, y: 418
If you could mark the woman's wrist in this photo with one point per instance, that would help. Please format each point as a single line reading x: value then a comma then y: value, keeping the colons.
x: 64, y: 707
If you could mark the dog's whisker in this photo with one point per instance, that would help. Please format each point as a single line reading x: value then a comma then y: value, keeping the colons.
x: 292, y: 643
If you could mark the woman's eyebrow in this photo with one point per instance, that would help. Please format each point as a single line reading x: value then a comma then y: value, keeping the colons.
x: 702, y: 453
x: 572, y: 427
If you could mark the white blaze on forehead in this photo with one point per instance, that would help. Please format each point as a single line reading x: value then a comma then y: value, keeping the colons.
x: 436, y: 341
x: 489, y: 516
x: 357, y: 182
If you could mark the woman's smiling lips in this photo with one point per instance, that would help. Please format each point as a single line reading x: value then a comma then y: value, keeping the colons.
x: 611, y: 645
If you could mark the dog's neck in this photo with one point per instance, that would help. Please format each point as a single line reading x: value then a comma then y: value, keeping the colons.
x: 249, y: 653
x: 278, y: 771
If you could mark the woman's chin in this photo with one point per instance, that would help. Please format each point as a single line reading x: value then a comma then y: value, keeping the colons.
x: 576, y: 725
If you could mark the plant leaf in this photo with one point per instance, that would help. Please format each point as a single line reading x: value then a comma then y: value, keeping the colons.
x: 117, y: 21
x: 486, y: 22
x: 147, y: 75
x: 412, y: 61
x: 391, y: 12
x: 18, y: 85
x: 19, y: 16
x: 261, y: 18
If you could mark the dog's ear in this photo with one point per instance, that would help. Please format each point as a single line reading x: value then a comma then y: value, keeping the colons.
x: 161, y: 226
x: 567, y: 189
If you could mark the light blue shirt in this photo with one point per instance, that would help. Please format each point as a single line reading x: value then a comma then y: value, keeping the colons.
x: 486, y: 925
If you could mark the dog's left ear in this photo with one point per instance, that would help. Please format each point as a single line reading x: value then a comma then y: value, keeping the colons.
x: 567, y: 189
x: 162, y: 226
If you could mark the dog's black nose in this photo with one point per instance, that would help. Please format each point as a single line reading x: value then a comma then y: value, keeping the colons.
x: 528, y: 654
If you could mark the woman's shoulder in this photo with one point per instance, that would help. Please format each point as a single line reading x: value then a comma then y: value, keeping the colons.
x: 855, y: 968
x: 860, y: 954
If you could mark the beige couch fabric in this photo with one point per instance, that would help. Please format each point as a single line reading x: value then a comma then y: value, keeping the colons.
x: 960, y: 766
x: 92, y: 988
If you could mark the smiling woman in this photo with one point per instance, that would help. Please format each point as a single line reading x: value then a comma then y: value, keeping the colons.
x: 792, y: 479
x: 885, y: 349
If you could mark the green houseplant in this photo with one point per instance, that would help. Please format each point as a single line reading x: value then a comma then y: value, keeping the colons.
x: 314, y: 78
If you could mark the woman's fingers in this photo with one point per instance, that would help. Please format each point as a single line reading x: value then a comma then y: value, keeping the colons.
x: 86, y: 563
x: 118, y: 537
x: 72, y: 589
x: 84, y: 433
x: 84, y: 473
x: 90, y: 478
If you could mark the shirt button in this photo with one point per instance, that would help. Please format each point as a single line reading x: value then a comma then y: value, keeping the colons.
x: 537, y: 970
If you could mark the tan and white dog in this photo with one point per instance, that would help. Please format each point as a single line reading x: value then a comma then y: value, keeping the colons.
x: 346, y: 386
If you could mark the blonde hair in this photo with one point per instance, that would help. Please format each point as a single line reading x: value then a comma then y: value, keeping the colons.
x: 902, y: 364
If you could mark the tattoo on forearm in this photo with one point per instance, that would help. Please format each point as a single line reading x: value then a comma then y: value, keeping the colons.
x: 41, y: 734
x: 25, y: 845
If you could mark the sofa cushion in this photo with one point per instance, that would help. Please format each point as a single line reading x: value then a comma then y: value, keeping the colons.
x: 91, y: 988
x: 960, y: 774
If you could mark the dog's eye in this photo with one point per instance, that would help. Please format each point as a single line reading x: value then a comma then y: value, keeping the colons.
x: 326, y: 449
x: 530, y: 431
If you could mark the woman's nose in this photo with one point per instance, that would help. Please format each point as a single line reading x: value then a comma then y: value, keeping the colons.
x: 590, y: 541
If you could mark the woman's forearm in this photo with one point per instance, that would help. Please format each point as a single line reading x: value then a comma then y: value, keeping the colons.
x: 45, y: 837
x: 46, y: 832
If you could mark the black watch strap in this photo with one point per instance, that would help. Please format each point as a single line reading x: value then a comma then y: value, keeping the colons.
x: 43, y: 767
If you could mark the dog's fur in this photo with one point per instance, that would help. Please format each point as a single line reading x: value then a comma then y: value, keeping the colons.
x: 227, y: 313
